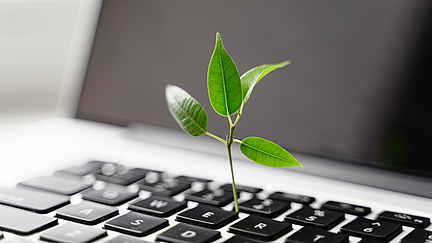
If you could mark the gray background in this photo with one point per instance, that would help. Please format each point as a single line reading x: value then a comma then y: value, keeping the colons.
x: 338, y: 98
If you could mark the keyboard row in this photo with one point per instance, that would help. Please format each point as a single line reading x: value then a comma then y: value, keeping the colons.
x: 198, y: 224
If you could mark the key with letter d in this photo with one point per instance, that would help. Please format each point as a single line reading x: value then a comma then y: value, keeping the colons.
x: 188, y: 233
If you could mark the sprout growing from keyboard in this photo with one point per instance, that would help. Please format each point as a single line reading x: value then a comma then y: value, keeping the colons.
x: 228, y: 94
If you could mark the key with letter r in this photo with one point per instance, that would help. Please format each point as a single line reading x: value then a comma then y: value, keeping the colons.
x: 260, y: 228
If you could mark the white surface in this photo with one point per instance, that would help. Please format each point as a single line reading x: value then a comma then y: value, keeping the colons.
x: 42, y: 147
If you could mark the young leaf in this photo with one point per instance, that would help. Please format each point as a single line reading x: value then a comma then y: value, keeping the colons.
x: 187, y: 111
x: 267, y: 153
x: 223, y: 81
x: 254, y: 75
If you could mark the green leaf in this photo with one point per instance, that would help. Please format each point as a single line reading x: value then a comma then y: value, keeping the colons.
x: 223, y: 81
x: 267, y: 153
x: 187, y: 111
x: 254, y: 75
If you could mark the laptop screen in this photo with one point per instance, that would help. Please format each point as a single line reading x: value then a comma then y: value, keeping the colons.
x: 355, y: 89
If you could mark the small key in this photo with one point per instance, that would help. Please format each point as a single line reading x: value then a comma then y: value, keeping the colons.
x: 369, y: 240
x: 88, y: 213
x: 207, y: 216
x: 404, y: 219
x: 347, y: 208
x: 418, y: 235
x: 218, y: 197
x: 321, y: 218
x: 23, y: 222
x: 123, y: 179
x: 191, y: 179
x: 374, y: 229
x: 99, y: 164
x: 161, y: 187
x: 111, y: 195
x: 125, y: 239
x: 260, y: 228
x: 267, y: 207
x: 188, y: 233
x: 57, y: 184
x: 158, y: 206
x: 291, y: 197
x: 312, y: 235
x: 136, y: 224
x: 79, y: 170
x: 143, y: 172
x: 72, y: 232
x: 240, y: 239
x: 241, y: 188
x: 31, y: 199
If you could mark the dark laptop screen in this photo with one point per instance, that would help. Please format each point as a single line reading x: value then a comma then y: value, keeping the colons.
x: 356, y: 88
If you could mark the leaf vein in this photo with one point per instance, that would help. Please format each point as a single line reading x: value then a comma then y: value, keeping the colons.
x: 178, y: 103
x: 265, y: 152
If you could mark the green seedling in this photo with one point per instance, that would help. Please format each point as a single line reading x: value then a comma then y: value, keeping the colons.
x: 228, y: 94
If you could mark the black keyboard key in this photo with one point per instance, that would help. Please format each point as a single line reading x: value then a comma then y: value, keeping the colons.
x: 291, y: 197
x: 369, y: 240
x: 169, y: 187
x: 136, y: 224
x: 191, y: 179
x: 72, y: 232
x: 57, y: 184
x: 312, y: 235
x: 23, y: 222
x: 241, y: 188
x: 405, y: 219
x: 79, y: 170
x: 89, y: 213
x: 99, y: 164
x: 217, y: 197
x: 240, y: 239
x: 267, y: 207
x: 347, y: 208
x: 123, y: 179
x: 158, y: 206
x: 321, y: 218
x: 207, y: 216
x: 32, y: 199
x: 143, y: 172
x: 110, y: 195
x: 260, y: 228
x: 125, y: 239
x: 374, y: 229
x: 418, y: 236
x: 182, y: 233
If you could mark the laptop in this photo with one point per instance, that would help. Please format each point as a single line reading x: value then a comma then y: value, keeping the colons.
x: 351, y: 107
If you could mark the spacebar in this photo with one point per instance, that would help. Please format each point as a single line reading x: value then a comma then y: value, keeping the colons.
x: 23, y: 222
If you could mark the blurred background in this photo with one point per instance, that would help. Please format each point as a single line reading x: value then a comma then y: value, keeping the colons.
x: 38, y: 40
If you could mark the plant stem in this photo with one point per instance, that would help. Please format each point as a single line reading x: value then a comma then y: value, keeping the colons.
x: 236, y: 204
x: 230, y: 140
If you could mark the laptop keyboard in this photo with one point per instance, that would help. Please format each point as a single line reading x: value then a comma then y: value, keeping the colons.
x: 107, y: 202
